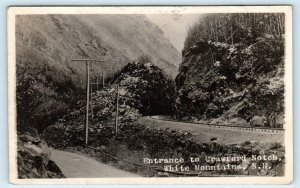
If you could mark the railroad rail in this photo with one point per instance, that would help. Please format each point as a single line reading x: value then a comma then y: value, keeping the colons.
x: 229, y: 126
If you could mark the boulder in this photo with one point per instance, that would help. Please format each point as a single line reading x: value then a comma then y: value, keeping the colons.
x: 258, y: 121
x: 34, y: 159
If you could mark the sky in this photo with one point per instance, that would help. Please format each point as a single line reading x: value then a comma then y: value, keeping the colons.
x: 174, y: 26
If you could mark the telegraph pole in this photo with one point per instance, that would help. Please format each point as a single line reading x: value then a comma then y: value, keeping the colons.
x: 117, y: 110
x: 103, y: 79
x: 87, y: 102
x: 97, y: 83
x: 87, y: 93
x: 92, y: 112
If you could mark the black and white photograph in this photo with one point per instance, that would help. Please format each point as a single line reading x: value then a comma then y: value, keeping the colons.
x: 150, y: 95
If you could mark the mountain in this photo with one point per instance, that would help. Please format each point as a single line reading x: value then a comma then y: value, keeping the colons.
x: 48, y: 81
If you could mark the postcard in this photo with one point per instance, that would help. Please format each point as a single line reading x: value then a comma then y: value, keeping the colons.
x: 150, y: 95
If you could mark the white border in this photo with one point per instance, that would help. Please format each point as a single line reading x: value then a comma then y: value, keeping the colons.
x: 13, y: 11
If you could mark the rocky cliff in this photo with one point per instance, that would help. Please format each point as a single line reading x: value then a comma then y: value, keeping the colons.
x: 241, y: 83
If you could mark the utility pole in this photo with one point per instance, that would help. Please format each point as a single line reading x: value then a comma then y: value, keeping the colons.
x: 87, y: 93
x: 117, y: 111
x: 92, y: 111
x: 87, y: 102
x: 97, y: 83
x: 97, y: 78
x: 103, y: 79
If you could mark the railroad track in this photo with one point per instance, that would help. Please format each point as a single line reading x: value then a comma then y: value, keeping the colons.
x: 256, y: 129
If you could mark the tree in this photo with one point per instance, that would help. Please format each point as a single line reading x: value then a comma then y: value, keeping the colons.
x: 235, y: 27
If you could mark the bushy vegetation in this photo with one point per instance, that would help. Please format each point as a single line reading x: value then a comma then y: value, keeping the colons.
x: 235, y: 28
x: 41, y: 98
x: 143, y: 90
x: 149, y: 85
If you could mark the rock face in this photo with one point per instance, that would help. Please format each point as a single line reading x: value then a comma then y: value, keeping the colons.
x: 34, y: 159
x: 48, y: 82
x: 217, y: 80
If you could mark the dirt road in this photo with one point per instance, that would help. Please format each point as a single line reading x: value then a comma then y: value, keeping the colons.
x: 224, y: 135
x: 78, y: 166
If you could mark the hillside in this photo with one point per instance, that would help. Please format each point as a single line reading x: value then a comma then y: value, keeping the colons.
x: 48, y: 81
x: 143, y: 90
x: 238, y: 81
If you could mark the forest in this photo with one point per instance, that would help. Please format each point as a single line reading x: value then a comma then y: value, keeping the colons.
x: 235, y: 28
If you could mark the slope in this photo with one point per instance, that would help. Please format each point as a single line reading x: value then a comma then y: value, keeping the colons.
x: 48, y: 81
